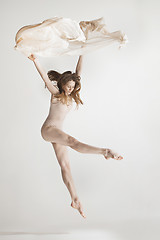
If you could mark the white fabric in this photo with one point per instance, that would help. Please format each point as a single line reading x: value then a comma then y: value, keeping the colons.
x: 63, y: 36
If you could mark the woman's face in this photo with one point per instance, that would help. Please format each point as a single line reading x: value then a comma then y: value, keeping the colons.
x: 69, y: 87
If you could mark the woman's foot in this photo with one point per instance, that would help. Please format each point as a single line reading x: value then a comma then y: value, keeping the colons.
x: 77, y: 205
x: 111, y: 154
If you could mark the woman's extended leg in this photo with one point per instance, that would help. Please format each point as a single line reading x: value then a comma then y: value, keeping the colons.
x: 62, y: 157
x: 56, y: 135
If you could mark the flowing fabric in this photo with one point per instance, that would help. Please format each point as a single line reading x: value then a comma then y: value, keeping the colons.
x: 62, y: 36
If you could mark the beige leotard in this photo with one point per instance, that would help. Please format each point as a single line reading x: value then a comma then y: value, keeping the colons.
x: 57, y: 113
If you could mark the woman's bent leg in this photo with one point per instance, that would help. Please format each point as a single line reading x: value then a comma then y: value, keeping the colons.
x: 56, y: 135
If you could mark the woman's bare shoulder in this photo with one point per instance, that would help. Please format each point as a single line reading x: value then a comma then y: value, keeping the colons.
x: 56, y: 92
x: 53, y: 98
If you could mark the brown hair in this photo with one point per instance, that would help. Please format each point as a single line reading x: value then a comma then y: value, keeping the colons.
x: 61, y: 80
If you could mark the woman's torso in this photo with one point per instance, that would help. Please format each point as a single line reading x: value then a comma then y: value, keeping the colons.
x: 57, y: 112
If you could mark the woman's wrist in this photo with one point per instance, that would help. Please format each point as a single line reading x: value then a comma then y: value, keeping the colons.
x: 32, y: 57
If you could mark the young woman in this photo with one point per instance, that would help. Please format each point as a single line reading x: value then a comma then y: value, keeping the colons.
x: 62, y: 96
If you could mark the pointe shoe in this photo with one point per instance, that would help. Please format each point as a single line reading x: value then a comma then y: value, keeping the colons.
x: 111, y: 154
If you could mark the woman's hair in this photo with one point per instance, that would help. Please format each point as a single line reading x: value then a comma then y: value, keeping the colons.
x: 61, y: 80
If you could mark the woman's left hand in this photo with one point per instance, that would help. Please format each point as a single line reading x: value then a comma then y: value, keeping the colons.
x: 32, y: 57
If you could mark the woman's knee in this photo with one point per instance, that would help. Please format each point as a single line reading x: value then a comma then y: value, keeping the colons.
x: 64, y: 165
x: 72, y: 142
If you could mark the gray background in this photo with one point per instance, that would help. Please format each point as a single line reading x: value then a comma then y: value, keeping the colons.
x: 120, y: 90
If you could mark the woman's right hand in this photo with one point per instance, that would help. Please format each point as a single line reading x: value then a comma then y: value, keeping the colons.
x: 32, y: 57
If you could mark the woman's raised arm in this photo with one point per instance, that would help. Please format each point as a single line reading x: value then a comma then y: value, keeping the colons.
x: 79, y: 66
x: 43, y: 74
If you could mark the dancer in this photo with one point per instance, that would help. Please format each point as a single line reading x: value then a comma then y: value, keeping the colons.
x: 62, y: 97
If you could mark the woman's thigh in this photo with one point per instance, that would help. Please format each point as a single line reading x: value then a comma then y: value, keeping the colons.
x: 56, y: 135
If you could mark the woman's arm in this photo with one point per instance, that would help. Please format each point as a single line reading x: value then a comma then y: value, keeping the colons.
x: 43, y: 74
x: 79, y: 66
